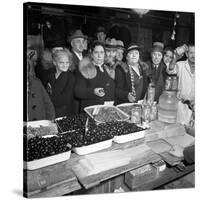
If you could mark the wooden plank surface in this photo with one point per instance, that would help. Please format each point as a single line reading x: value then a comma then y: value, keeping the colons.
x: 164, y: 177
x: 42, y: 182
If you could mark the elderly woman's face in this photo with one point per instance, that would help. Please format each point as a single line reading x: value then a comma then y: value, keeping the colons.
x: 62, y: 62
x: 98, y: 55
x: 133, y: 57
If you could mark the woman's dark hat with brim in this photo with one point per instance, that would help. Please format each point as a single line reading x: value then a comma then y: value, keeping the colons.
x: 133, y: 47
x: 77, y: 34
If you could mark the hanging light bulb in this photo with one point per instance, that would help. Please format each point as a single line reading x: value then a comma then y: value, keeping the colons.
x: 141, y: 12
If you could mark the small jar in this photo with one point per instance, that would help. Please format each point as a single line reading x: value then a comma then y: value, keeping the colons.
x: 168, y: 83
x: 136, y: 114
x: 146, y: 111
x: 174, y: 83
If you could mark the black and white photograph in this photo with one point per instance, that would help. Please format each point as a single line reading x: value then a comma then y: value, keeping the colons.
x: 108, y: 99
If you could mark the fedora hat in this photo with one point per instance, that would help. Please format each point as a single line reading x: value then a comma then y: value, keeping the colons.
x: 111, y: 43
x: 157, y: 47
x: 77, y: 34
x: 120, y: 44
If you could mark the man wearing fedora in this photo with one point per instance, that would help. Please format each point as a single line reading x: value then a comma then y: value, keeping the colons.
x: 77, y: 41
x: 157, y: 70
x: 110, y: 57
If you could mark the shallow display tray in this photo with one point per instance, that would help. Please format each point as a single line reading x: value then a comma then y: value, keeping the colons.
x: 90, y: 110
x: 93, y: 147
x: 131, y: 105
x: 43, y: 162
x: 129, y: 137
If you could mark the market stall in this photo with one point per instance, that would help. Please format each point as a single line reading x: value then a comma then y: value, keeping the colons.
x: 74, y: 162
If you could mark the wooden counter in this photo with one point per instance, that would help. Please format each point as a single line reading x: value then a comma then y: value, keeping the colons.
x: 60, y: 179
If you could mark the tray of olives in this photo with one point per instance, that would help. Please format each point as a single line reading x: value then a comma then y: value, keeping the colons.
x: 104, y: 113
x: 71, y: 123
x: 41, y: 151
x: 125, y: 132
x: 97, y: 137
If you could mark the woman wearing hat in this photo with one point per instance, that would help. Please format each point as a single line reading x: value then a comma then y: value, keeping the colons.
x: 131, y: 80
x: 93, y: 84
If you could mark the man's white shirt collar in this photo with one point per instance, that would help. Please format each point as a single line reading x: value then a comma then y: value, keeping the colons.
x: 79, y: 55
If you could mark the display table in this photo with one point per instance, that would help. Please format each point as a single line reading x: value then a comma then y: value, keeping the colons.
x: 62, y: 178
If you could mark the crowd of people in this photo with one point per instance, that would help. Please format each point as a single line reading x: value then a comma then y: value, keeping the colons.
x: 62, y: 81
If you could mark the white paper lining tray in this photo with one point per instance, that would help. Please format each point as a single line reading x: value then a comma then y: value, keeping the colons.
x: 94, y: 111
x: 48, y: 127
x: 39, y: 123
x: 129, y: 137
x: 43, y: 162
x: 93, y: 147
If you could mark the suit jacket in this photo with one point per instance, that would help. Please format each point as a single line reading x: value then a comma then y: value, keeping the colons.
x: 75, y: 61
x: 158, y: 77
x: 123, y: 84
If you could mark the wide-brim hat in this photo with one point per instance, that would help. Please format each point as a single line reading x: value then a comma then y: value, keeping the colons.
x: 77, y: 34
x: 120, y: 44
x: 133, y: 47
x: 111, y: 43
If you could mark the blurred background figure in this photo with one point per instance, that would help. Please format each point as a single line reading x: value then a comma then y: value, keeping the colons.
x: 110, y: 56
x: 45, y: 63
x: 120, y: 50
x: 101, y: 34
x: 39, y: 105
